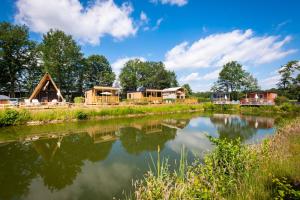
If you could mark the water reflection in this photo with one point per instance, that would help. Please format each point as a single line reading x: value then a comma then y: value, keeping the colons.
x: 99, y: 159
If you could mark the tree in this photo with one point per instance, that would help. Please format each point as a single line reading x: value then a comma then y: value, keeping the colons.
x: 62, y: 58
x: 233, y: 78
x: 98, y: 72
x: 136, y: 73
x: 16, y: 55
x: 289, y: 83
x: 188, y: 89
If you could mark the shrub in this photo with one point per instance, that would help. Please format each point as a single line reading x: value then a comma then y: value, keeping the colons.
x: 281, y: 99
x: 79, y: 100
x: 80, y: 115
x: 209, y: 106
x: 216, y: 178
x: 286, y: 107
x: 9, y: 117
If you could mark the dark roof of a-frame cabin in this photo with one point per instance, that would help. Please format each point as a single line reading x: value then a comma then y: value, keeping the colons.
x: 41, y: 84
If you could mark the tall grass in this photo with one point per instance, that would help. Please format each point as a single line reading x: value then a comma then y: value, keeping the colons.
x: 231, y: 171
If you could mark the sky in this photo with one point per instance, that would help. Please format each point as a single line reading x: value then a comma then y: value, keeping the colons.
x: 193, y: 38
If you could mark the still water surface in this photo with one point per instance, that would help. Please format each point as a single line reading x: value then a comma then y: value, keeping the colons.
x: 99, y: 159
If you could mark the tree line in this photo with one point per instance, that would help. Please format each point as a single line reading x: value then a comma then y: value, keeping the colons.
x: 23, y: 62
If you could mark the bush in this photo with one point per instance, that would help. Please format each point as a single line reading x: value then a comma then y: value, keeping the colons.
x: 216, y: 178
x: 281, y: 99
x: 286, y: 107
x: 11, y: 117
x: 79, y: 100
x: 80, y: 115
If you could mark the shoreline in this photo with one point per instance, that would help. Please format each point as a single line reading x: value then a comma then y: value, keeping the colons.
x: 13, y: 117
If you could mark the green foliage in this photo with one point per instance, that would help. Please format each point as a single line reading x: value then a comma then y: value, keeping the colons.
x: 286, y: 107
x: 281, y: 99
x: 17, y: 57
x: 80, y: 115
x: 216, y: 178
x: 63, y: 60
x: 289, y: 83
x: 79, y: 100
x: 97, y: 72
x: 284, y: 190
x: 10, y: 117
x: 188, y: 89
x: 137, y: 73
x: 233, y: 78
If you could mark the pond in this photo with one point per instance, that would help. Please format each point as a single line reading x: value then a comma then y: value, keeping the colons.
x: 99, y: 159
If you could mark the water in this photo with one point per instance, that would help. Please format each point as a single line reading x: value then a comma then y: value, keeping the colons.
x: 99, y: 159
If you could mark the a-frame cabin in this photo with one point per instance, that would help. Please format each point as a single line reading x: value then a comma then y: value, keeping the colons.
x: 46, y: 90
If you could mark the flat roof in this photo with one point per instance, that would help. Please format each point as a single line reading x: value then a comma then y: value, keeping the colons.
x: 105, y: 88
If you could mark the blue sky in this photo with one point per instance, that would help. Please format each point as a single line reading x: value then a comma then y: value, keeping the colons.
x: 194, y: 38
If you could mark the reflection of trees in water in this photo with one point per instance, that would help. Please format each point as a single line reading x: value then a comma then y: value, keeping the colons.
x: 57, y: 163
x: 136, y: 141
x: 233, y: 127
x: 64, y: 166
x: 18, y: 166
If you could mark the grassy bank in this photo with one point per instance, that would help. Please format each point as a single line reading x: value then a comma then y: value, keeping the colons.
x: 232, y: 171
x: 22, y: 116
x: 10, y: 117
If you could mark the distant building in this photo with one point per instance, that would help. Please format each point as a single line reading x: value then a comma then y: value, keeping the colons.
x: 46, y: 91
x: 145, y: 95
x: 220, y: 97
x: 259, y: 98
x: 173, y: 94
x: 102, y: 95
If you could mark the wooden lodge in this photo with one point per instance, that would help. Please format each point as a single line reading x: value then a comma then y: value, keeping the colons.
x: 220, y: 98
x: 173, y: 94
x: 46, y: 91
x: 259, y: 98
x: 145, y: 95
x: 102, y: 95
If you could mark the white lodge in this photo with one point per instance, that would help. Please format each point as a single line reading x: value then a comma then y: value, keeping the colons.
x: 173, y: 93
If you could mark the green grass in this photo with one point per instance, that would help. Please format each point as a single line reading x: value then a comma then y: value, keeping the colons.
x: 9, y: 117
x: 231, y: 171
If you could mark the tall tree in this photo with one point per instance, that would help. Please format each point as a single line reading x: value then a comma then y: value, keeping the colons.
x: 188, y: 89
x: 62, y: 58
x: 98, y: 72
x: 16, y: 55
x: 233, y: 78
x: 289, y: 83
x: 136, y: 73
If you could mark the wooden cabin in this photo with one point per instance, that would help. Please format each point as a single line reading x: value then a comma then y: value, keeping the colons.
x: 102, y: 95
x: 173, y: 94
x: 4, y: 99
x: 259, y: 98
x: 46, y: 91
x: 220, y: 97
x: 145, y: 95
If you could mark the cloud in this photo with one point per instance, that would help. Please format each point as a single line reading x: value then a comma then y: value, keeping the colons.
x: 119, y: 63
x: 171, y: 2
x: 217, y: 49
x: 270, y: 82
x: 87, y: 25
x: 195, y: 76
x: 282, y: 24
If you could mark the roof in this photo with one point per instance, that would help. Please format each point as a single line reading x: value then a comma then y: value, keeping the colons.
x: 174, y: 89
x: 260, y: 92
x: 38, y: 88
x: 4, y: 97
x: 105, y: 88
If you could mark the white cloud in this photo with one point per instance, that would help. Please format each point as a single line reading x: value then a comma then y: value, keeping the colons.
x: 87, y: 25
x: 144, y: 17
x: 171, y: 2
x: 119, y: 63
x: 195, y: 76
x: 269, y: 82
x: 217, y: 49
